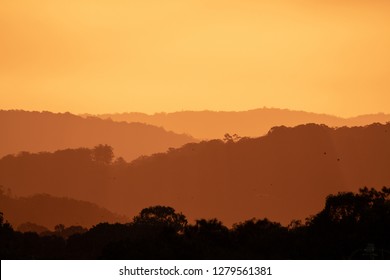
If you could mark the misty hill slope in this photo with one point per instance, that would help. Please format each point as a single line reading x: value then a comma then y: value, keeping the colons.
x: 48, y: 211
x: 252, y: 123
x: 35, y: 132
x: 284, y: 175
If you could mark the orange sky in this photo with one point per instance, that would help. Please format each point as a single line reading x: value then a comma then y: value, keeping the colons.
x: 150, y: 56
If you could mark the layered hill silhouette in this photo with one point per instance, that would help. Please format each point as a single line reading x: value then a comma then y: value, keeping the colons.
x: 45, y: 131
x: 252, y: 123
x: 48, y: 211
x: 283, y: 175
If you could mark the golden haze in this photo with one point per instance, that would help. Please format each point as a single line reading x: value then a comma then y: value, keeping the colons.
x: 149, y: 56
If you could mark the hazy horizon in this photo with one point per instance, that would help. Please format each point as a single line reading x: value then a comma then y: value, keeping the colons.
x: 104, y: 56
x: 151, y: 113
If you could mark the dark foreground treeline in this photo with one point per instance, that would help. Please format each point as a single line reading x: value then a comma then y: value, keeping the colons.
x: 351, y: 226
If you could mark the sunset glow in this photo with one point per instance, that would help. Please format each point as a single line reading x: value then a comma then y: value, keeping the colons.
x: 151, y: 56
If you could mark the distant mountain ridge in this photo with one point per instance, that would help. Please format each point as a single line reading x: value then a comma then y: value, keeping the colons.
x: 283, y: 175
x: 251, y: 123
x: 46, y: 131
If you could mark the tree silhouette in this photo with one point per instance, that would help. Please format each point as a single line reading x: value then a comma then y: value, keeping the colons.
x: 227, y: 138
x: 161, y: 216
x: 349, y: 208
x: 103, y: 154
x: 6, y: 239
x: 351, y: 221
